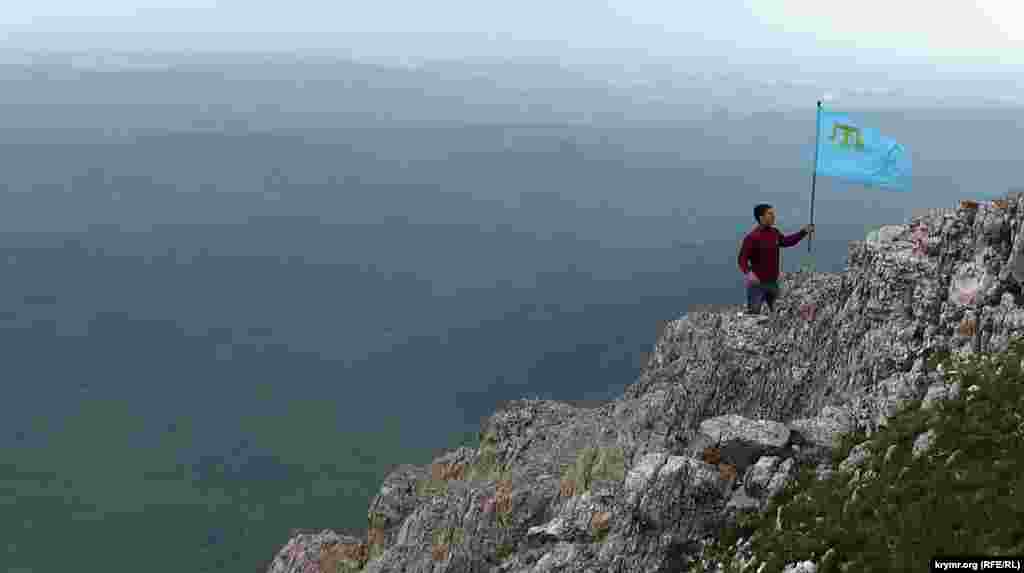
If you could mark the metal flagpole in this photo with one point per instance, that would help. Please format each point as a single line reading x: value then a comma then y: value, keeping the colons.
x: 814, y: 173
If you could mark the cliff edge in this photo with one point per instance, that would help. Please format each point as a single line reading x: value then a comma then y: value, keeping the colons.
x: 720, y: 420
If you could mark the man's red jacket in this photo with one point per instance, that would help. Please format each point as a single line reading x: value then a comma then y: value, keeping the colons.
x: 761, y: 249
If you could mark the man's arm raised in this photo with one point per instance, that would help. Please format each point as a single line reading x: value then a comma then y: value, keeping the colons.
x: 792, y: 240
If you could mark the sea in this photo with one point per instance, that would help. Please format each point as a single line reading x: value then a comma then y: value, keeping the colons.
x: 213, y: 336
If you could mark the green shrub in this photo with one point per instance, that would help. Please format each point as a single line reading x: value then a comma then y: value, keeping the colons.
x: 504, y: 550
x: 970, y: 503
x: 374, y: 551
x: 486, y: 466
x: 450, y: 536
x: 377, y: 521
x: 595, y: 464
x: 430, y: 487
x: 609, y: 465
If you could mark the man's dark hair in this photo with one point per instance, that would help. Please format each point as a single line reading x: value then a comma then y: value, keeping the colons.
x: 759, y: 210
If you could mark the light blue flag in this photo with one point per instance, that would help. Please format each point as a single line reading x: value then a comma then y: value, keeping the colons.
x: 858, y: 154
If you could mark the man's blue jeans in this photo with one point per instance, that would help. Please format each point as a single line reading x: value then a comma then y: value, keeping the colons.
x: 758, y: 293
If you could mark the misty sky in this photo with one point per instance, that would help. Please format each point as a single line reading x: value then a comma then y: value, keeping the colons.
x: 797, y: 34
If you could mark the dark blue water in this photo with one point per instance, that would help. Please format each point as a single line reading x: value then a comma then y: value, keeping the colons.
x: 209, y: 340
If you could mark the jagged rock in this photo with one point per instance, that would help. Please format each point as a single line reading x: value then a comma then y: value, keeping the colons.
x: 580, y: 518
x: 936, y: 392
x: 641, y: 475
x: 762, y: 481
x: 453, y: 465
x: 824, y: 429
x: 309, y: 551
x: 680, y: 485
x: 740, y: 441
x: 562, y: 554
x: 741, y: 500
x: 801, y: 567
x: 759, y: 474
x: 555, y: 529
x: 844, y: 352
x: 923, y: 443
x: 782, y: 476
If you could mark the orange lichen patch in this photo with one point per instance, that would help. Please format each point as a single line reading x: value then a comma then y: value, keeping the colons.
x: 712, y: 455
x: 446, y: 472
x: 455, y: 472
x: 968, y: 204
x: 329, y: 558
x: 349, y: 555
x: 503, y: 497
x: 375, y: 536
x: 600, y: 522
x: 727, y: 471
x: 357, y: 553
x: 568, y: 487
x: 439, y: 552
x: 967, y: 327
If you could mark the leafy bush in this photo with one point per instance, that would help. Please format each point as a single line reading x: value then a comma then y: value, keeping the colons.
x: 431, y: 487
x: 487, y: 465
x: 609, y: 465
x: 595, y: 464
x: 377, y: 521
x: 964, y: 495
x: 449, y: 536
x: 504, y: 551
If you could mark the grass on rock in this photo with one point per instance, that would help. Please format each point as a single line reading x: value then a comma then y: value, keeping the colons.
x: 964, y: 496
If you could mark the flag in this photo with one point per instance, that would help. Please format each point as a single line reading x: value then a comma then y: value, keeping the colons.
x: 858, y: 154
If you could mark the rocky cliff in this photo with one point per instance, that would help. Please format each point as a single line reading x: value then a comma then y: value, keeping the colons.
x: 719, y: 421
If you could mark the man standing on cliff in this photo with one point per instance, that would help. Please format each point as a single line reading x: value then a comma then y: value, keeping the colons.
x: 759, y: 258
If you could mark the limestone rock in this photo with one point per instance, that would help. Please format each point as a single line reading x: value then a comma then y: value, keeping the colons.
x: 824, y: 429
x: 758, y: 476
x: 741, y: 440
x: 801, y: 567
x: 631, y: 485
x: 923, y: 443
x: 317, y: 551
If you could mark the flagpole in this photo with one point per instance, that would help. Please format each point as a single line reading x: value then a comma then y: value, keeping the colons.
x: 814, y: 172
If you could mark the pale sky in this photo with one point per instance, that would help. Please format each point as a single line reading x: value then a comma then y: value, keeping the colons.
x: 800, y: 33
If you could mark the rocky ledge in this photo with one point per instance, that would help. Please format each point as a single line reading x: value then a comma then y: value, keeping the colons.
x: 718, y: 421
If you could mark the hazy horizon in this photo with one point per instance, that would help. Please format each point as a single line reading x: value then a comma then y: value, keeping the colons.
x: 974, y: 50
